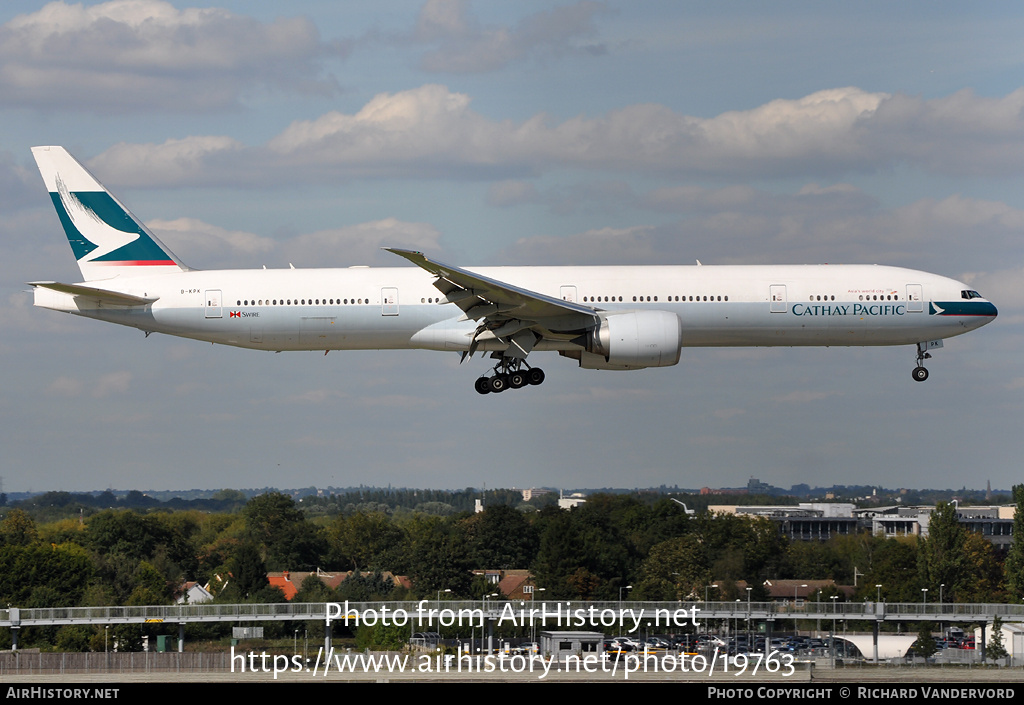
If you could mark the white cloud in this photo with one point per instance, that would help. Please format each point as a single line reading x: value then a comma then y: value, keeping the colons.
x: 17, y: 185
x: 316, y: 396
x: 464, y: 46
x: 196, y: 241
x: 174, y: 162
x: 112, y: 383
x: 739, y: 225
x: 209, y: 246
x: 442, y: 19
x: 393, y: 115
x: 511, y: 193
x: 401, y: 401
x: 432, y: 131
x: 962, y: 133
x: 147, y: 55
x: 361, y: 243
x: 105, y: 385
x: 65, y: 387
x: 804, y: 396
x: 603, y: 245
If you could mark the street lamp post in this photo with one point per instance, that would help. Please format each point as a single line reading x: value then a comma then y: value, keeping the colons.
x: 749, y: 635
x: 794, y: 592
x: 713, y: 585
x: 624, y: 587
x: 941, y: 585
x: 796, y: 628
x: 878, y: 593
x: 817, y: 608
x: 533, y: 626
x: 832, y: 636
x: 924, y: 596
x: 490, y: 644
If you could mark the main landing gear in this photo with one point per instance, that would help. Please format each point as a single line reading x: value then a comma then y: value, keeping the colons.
x: 920, y: 373
x: 509, y: 372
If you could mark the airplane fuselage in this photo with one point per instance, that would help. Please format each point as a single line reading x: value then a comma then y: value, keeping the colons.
x: 363, y: 308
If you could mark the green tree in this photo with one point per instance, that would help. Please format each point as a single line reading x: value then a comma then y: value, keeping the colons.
x: 150, y: 586
x: 249, y: 572
x: 500, y: 537
x: 810, y: 560
x: 560, y: 547
x: 925, y: 644
x: 942, y: 560
x: 439, y: 560
x: 366, y: 541
x: 674, y: 570
x: 365, y: 588
x: 381, y: 636
x: 995, y: 648
x: 1015, y: 557
x: 739, y: 548
x: 313, y: 589
x: 17, y: 529
x: 125, y: 533
x: 288, y: 541
x: 64, y: 570
x: 986, y: 582
x: 74, y: 638
x: 587, y: 552
x: 894, y: 567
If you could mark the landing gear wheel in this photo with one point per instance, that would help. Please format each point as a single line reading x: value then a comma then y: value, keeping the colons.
x: 499, y: 383
x: 535, y: 375
x: 920, y: 374
x: 483, y: 385
x: 517, y: 380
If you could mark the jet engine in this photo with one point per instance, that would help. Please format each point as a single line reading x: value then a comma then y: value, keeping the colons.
x: 632, y: 340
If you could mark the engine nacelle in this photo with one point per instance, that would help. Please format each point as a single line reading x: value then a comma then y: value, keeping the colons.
x: 634, y: 340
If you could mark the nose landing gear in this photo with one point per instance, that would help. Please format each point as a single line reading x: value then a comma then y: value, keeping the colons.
x: 920, y: 372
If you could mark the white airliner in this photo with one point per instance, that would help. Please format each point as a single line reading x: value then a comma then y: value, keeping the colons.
x: 605, y: 318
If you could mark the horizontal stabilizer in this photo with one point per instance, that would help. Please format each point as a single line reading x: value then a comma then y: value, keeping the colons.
x: 103, y: 296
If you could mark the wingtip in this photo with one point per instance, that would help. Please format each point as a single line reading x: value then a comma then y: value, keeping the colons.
x: 411, y: 255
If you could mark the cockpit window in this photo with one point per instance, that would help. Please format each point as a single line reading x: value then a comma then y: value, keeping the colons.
x: 968, y: 294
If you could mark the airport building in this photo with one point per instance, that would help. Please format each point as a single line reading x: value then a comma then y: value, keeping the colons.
x: 821, y: 521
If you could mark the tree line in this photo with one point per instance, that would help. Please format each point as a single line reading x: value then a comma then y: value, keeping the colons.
x: 642, y: 548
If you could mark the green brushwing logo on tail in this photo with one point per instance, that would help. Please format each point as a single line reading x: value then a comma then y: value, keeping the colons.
x: 100, y: 230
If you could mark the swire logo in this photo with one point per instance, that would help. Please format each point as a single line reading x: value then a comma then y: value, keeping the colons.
x: 236, y: 314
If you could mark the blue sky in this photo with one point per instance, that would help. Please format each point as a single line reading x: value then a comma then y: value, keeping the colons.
x: 516, y: 133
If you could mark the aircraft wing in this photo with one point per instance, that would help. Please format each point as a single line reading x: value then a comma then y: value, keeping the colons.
x: 506, y: 312
x: 102, y: 296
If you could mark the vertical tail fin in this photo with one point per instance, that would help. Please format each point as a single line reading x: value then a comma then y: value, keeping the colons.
x: 108, y: 241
